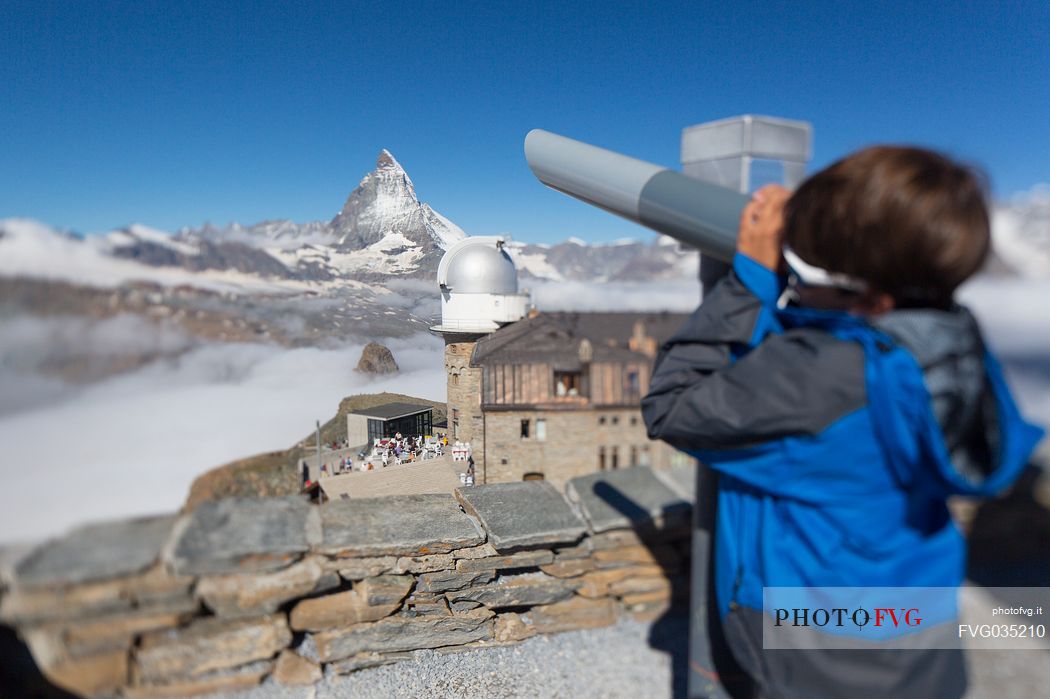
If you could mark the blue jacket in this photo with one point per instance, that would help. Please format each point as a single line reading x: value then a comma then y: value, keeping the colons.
x: 837, y: 441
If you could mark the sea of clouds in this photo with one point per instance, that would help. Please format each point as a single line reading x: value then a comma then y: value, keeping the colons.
x: 134, y: 443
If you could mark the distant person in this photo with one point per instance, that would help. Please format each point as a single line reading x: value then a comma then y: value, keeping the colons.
x: 843, y: 396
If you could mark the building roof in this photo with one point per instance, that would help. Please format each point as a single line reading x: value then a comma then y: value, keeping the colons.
x: 555, y: 337
x: 392, y: 411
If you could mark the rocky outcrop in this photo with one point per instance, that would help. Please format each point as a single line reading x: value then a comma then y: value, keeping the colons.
x: 377, y: 359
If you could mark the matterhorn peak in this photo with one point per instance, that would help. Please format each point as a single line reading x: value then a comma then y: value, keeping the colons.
x: 387, y: 161
x: 389, y: 171
x: 384, y: 207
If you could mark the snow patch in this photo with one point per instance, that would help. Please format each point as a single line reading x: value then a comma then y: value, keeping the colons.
x: 376, y: 259
x: 535, y: 263
x: 138, y: 232
x: 392, y: 241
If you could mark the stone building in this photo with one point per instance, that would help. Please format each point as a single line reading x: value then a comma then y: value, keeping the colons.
x: 543, y: 395
x: 559, y: 395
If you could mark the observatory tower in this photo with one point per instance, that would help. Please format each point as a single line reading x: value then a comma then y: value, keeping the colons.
x: 479, y: 295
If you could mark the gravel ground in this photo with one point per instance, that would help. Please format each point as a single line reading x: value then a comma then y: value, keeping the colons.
x: 613, y: 662
x: 629, y: 660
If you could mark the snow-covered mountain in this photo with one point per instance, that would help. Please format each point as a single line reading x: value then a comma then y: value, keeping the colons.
x: 196, y: 254
x: 385, y: 201
x: 384, y: 234
x: 382, y: 230
x: 1022, y: 232
x: 620, y: 261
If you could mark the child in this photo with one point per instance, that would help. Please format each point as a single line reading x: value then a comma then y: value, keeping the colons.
x: 841, y: 404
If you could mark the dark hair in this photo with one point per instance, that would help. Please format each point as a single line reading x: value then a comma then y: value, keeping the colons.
x: 909, y: 221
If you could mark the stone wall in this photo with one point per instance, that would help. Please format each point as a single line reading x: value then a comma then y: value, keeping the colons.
x: 572, y: 445
x: 242, y: 589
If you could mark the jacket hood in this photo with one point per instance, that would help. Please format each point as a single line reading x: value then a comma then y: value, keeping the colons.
x: 965, y: 388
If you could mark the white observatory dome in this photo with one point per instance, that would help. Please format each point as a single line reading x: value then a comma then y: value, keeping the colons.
x: 480, y: 267
x: 479, y: 287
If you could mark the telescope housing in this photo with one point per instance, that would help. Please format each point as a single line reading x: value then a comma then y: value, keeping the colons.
x: 697, y: 208
x: 692, y: 211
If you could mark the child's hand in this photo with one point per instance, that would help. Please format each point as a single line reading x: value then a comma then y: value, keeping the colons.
x: 762, y: 226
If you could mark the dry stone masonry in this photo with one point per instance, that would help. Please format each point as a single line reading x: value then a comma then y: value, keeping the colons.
x: 243, y: 589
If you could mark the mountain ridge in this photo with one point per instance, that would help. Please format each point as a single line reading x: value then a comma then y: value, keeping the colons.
x: 382, y: 232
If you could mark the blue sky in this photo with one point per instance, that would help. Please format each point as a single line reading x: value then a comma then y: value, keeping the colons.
x: 174, y: 114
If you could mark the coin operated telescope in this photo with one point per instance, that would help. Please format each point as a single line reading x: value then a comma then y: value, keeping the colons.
x: 723, y: 161
x: 700, y: 207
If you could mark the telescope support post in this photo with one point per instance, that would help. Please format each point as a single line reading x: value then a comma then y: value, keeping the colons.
x: 722, y: 152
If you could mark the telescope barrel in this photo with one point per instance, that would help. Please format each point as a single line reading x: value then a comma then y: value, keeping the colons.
x: 692, y: 211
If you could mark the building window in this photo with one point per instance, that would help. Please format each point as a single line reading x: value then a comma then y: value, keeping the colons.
x: 634, y: 420
x: 634, y: 455
x: 532, y: 476
x: 601, y: 419
x: 455, y: 423
x: 375, y: 430
x: 601, y: 458
x: 524, y: 429
x: 566, y: 383
x: 410, y: 425
x: 614, y: 461
x: 645, y: 459
x: 616, y: 419
x: 633, y: 386
x: 541, y: 430
x: 503, y: 462
x: 455, y: 379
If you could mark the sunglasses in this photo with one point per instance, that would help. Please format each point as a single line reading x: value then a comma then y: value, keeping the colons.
x: 801, y: 273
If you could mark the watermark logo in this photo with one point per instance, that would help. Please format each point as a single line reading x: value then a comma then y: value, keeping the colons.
x: 904, y: 618
x: 840, y: 616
